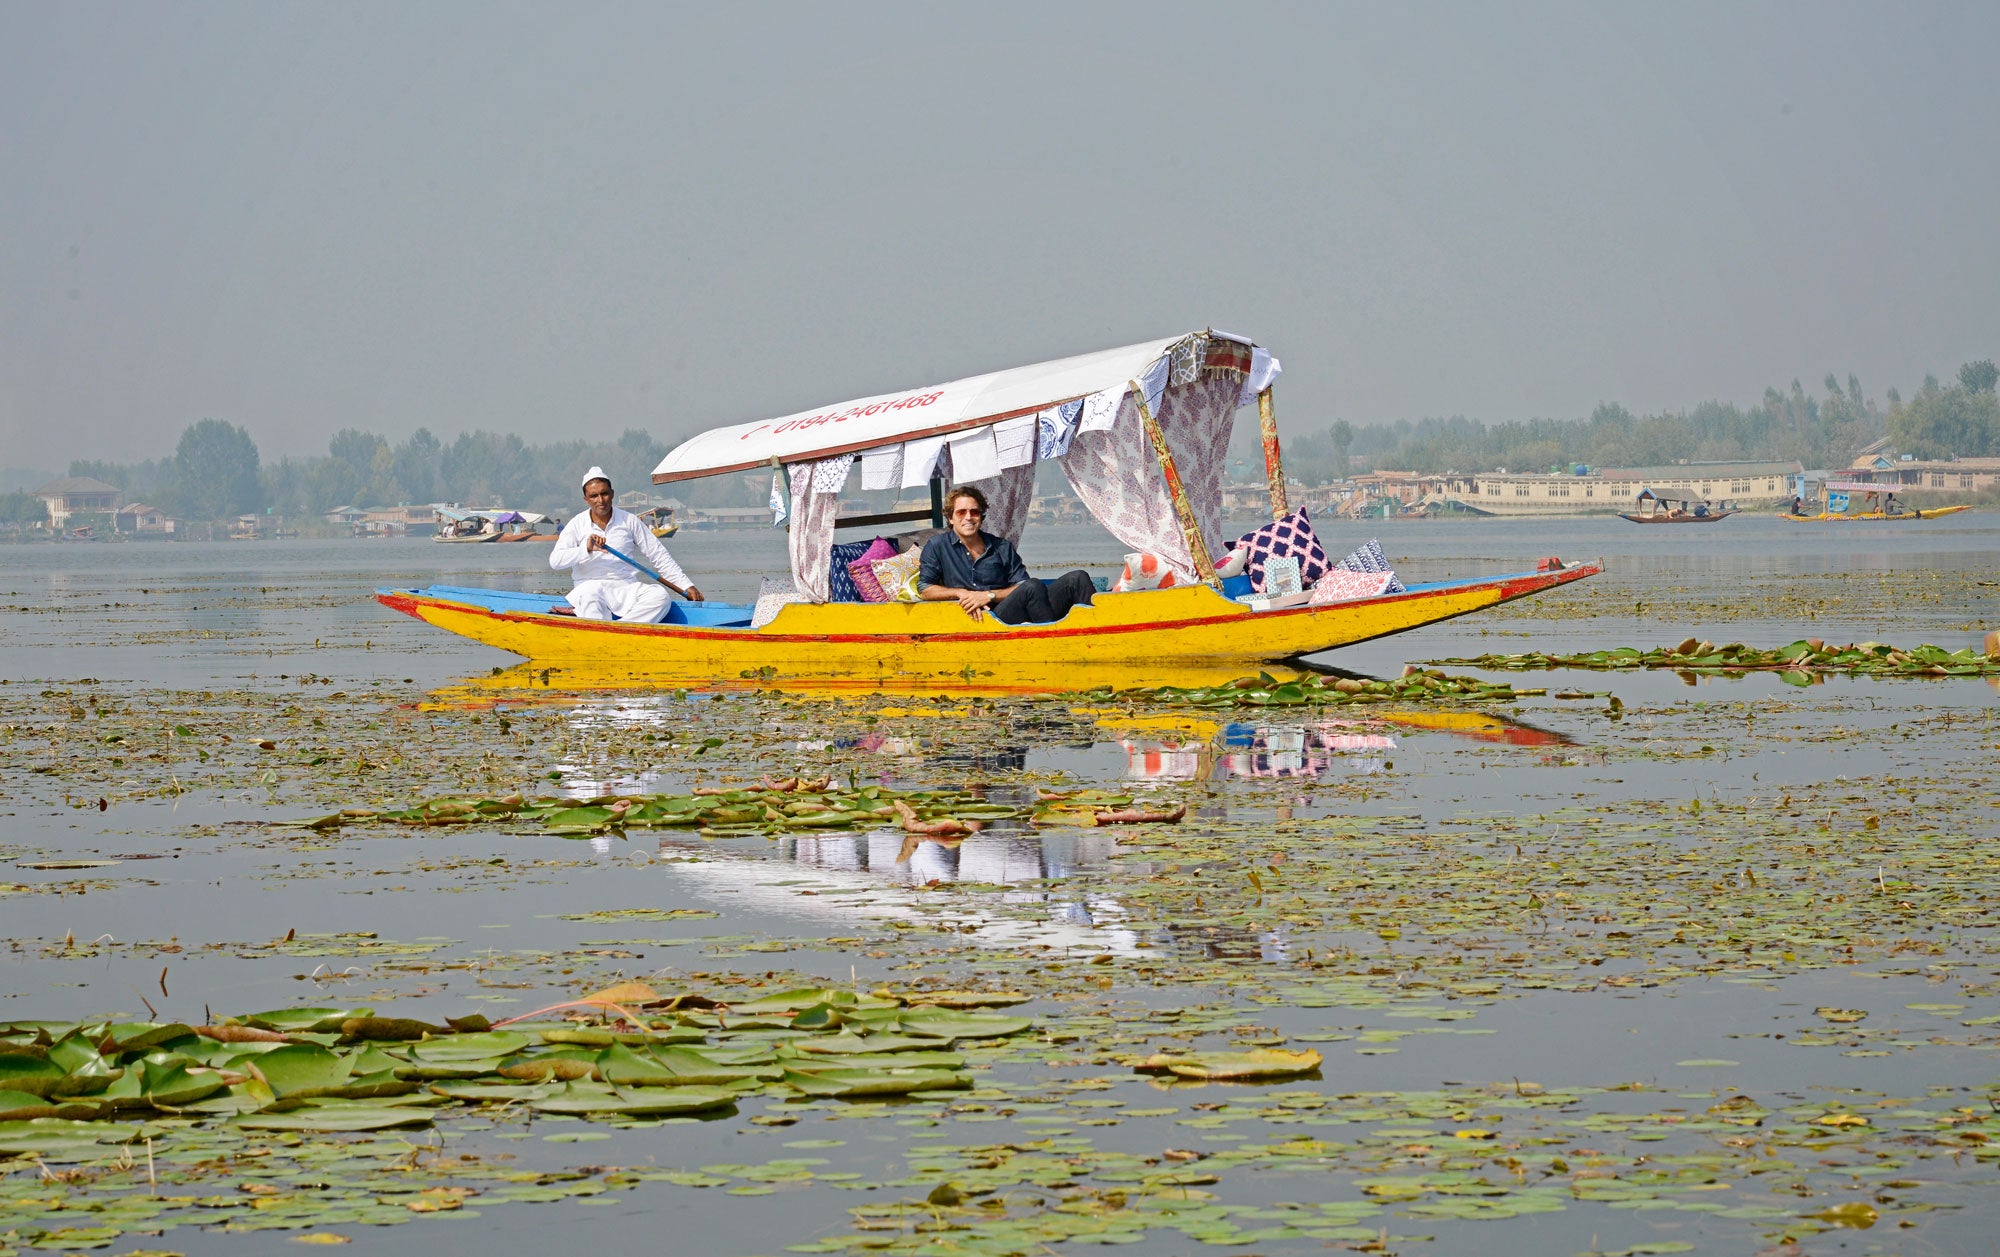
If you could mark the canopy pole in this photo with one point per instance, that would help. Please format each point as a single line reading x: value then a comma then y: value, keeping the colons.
x: 1204, y: 567
x: 937, y: 501
x: 1274, y: 464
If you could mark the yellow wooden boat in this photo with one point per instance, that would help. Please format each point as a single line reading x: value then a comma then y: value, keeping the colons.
x: 933, y: 641
x: 1879, y: 517
x: 1863, y: 501
x: 1139, y: 432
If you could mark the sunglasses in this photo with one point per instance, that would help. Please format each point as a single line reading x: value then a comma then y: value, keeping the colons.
x: 970, y: 513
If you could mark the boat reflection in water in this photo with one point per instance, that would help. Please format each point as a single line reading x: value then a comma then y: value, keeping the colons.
x: 882, y: 874
x: 1182, y: 749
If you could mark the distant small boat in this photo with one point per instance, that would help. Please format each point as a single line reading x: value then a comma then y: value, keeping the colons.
x: 457, y: 526
x: 661, y: 520
x: 1877, y: 503
x: 1654, y: 509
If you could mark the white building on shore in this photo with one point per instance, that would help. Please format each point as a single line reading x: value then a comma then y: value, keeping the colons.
x: 1591, y: 492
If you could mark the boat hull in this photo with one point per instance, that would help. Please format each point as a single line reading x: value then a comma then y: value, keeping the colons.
x: 1679, y: 519
x: 1164, y: 628
x: 1877, y: 517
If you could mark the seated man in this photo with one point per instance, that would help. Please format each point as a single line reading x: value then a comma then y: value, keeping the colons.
x: 606, y: 587
x: 984, y: 572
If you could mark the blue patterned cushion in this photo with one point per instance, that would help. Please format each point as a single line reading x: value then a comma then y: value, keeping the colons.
x: 1290, y: 536
x: 1368, y: 557
x: 839, y: 581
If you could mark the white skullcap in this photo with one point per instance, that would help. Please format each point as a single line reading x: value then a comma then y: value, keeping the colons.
x: 595, y: 473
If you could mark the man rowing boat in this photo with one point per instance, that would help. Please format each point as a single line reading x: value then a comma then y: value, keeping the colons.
x: 607, y: 587
x: 982, y: 572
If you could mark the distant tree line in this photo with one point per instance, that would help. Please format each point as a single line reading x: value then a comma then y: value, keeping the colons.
x: 1961, y: 420
x: 216, y: 473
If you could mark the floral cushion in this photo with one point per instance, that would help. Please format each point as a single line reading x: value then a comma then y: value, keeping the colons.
x: 1290, y: 536
x: 1368, y: 557
x: 852, y: 578
x: 898, y: 576
x: 1144, y: 571
x: 774, y: 595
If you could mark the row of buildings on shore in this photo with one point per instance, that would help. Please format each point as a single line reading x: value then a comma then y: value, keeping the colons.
x: 1587, y: 491
x: 1579, y: 491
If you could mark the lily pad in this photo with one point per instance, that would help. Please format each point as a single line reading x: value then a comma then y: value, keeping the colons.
x: 1234, y: 1066
x: 581, y: 1099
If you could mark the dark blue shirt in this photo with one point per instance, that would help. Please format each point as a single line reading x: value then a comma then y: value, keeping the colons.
x: 947, y: 562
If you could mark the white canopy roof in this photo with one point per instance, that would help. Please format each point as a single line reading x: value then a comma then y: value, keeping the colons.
x: 872, y: 422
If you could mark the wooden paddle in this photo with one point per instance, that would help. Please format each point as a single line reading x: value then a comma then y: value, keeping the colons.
x: 647, y: 570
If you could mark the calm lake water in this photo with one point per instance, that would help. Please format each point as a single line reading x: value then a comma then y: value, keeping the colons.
x: 1650, y: 829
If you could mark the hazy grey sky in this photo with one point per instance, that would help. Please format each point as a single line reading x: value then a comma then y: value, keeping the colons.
x: 573, y: 219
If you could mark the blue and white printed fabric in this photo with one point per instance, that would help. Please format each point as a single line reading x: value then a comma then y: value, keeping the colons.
x: 1056, y: 428
x: 1368, y: 557
x: 830, y: 474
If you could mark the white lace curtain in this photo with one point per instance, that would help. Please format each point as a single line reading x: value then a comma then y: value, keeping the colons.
x: 1118, y: 477
x: 1113, y: 470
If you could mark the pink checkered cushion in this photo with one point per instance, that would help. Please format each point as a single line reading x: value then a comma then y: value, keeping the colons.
x: 863, y: 570
x: 1290, y: 536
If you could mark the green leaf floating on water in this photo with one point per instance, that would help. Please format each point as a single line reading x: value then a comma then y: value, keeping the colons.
x: 17, y: 1106
x: 851, y: 1084
x: 48, y: 1136
x: 1233, y: 1066
x: 479, y: 1046
x: 303, y: 1020
x: 302, y: 1069
x: 30, y: 1075
x: 583, y: 1099
x: 947, y: 1023
x: 1856, y: 1214
x: 336, y: 1115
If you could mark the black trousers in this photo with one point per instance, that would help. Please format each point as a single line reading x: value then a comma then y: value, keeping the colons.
x: 1044, y: 602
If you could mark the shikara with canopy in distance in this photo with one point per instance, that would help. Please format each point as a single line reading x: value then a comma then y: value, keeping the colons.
x: 1863, y: 501
x: 1141, y: 434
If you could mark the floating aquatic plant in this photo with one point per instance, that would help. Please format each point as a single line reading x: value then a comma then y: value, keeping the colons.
x: 1805, y: 655
x: 1313, y: 689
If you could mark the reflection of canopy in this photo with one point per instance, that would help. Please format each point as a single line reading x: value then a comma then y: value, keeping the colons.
x: 992, y: 429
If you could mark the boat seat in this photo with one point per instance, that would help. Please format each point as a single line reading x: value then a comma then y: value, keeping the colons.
x: 708, y: 614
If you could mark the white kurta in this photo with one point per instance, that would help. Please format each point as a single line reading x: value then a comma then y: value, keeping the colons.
x: 606, y: 587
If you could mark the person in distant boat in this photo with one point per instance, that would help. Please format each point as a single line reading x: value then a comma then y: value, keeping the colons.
x: 1798, y: 505
x: 1701, y: 511
x: 983, y: 573
x: 605, y: 586
x: 1890, y: 506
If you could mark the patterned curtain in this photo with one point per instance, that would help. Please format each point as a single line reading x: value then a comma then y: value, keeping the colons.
x: 813, y: 511
x: 1118, y: 477
x: 1008, y: 497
